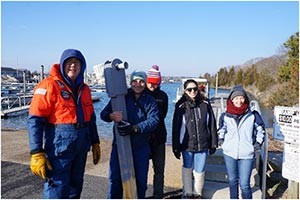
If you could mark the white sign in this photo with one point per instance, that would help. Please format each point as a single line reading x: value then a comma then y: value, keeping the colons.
x: 286, y: 124
x: 286, y: 129
x: 290, y: 165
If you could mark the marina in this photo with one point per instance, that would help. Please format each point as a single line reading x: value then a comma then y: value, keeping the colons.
x: 97, y: 88
x: 258, y: 50
x: 105, y: 129
x: 13, y: 105
x: 17, y: 88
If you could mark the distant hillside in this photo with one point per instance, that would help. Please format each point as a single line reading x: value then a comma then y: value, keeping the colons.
x: 273, y: 80
x: 258, y: 76
x: 270, y: 64
x: 252, y: 61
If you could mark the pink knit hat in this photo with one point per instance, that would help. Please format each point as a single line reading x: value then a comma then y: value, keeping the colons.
x: 153, y: 75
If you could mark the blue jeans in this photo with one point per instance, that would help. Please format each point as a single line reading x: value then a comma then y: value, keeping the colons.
x: 195, y: 160
x: 239, y: 171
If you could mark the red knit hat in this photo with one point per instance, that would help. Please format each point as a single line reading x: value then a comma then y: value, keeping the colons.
x: 153, y: 75
x: 202, y: 88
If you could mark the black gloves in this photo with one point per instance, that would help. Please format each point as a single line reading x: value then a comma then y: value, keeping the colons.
x: 177, y: 154
x: 212, y: 151
x: 257, y: 147
x: 125, y: 128
x: 220, y: 142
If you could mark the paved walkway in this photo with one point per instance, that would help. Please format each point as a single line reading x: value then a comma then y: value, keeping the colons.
x: 17, y: 181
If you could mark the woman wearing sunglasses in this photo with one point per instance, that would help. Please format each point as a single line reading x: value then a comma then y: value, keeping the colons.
x: 194, y: 135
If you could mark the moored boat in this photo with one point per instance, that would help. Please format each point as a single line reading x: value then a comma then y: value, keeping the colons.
x: 98, y: 88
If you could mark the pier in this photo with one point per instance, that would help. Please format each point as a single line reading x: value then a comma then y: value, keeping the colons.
x: 4, y: 113
x: 14, y: 104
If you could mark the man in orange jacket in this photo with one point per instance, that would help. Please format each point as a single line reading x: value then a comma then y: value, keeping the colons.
x: 62, y: 128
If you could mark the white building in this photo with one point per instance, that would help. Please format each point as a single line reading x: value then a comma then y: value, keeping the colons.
x: 99, y: 73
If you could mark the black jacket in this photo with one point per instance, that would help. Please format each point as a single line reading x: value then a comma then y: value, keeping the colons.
x: 159, y: 136
x: 200, y: 130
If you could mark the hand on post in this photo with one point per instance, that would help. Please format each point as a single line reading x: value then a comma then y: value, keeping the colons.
x: 125, y: 128
x: 116, y: 116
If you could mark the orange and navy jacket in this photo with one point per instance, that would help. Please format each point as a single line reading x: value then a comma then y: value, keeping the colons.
x: 54, y: 100
x: 54, y: 104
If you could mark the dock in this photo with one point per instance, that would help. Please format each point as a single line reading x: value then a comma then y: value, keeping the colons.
x: 15, y: 104
x: 6, y: 112
x: 19, y: 104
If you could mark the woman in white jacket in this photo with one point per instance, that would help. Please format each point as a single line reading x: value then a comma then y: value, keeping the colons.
x: 241, y: 133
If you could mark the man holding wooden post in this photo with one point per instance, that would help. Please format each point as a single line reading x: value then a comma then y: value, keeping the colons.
x: 135, y: 114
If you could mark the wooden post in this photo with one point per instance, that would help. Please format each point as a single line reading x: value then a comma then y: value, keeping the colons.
x: 116, y: 87
x: 293, y: 190
x: 42, y: 73
x: 24, y: 82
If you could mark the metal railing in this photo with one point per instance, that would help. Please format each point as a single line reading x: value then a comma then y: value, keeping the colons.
x: 11, y: 104
x: 261, y: 158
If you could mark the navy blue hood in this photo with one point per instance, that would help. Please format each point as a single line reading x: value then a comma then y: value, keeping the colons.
x: 72, y: 53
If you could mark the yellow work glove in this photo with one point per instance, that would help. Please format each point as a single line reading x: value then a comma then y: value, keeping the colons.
x: 39, y: 164
x: 96, y: 153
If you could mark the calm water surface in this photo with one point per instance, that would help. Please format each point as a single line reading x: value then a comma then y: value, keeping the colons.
x: 105, y: 129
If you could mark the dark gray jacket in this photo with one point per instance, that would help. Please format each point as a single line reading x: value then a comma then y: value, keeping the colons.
x: 199, y: 131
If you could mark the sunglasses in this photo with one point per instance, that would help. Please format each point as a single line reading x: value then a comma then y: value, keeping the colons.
x: 190, y: 89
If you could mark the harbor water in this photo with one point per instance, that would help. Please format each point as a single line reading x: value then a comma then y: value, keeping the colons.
x: 19, y: 122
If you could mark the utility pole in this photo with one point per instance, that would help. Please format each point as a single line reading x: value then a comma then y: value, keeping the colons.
x: 42, y: 73
x: 216, y: 88
x: 24, y: 82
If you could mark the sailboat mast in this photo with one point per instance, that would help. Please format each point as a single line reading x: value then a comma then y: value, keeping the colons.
x: 216, y: 89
